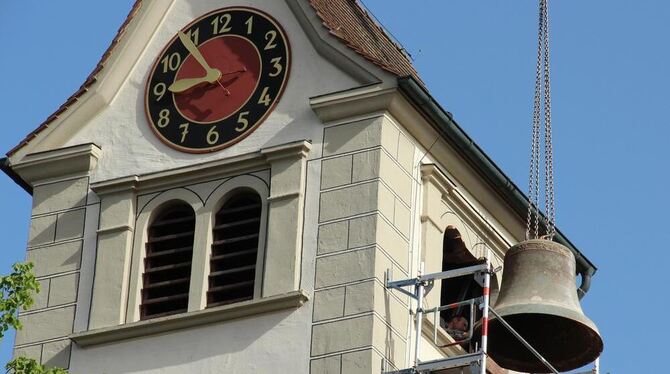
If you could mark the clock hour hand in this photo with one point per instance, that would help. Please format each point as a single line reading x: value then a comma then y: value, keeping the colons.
x: 193, y: 50
x: 182, y: 85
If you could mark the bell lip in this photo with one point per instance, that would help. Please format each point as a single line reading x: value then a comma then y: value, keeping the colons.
x: 554, y: 310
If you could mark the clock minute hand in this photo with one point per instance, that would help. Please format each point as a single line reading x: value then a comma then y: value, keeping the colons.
x: 212, y: 74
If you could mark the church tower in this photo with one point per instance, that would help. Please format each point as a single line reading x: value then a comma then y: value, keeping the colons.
x: 230, y: 187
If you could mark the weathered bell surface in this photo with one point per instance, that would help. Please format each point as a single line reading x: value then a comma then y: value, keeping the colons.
x: 538, y: 298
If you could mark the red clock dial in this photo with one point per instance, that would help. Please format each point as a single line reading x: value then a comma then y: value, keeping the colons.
x: 238, y: 61
x: 217, y: 80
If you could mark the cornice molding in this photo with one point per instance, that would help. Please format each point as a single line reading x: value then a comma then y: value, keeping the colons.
x: 205, y: 171
x: 353, y: 102
x: 62, y: 163
x: 185, y: 320
x: 299, y: 149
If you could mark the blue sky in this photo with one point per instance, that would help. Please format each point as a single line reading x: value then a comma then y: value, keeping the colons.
x: 610, y: 109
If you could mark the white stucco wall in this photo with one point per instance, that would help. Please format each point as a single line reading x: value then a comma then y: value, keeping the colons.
x: 128, y: 144
x: 272, y: 343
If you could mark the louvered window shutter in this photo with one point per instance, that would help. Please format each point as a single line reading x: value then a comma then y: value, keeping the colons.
x: 235, y: 250
x: 167, y: 265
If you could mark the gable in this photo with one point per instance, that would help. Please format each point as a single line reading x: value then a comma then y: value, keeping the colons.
x: 360, y: 47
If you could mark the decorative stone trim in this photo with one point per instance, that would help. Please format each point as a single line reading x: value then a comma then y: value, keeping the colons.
x: 285, y: 196
x: 111, y: 230
x: 122, y: 229
x: 62, y: 162
x: 431, y: 173
x: 298, y: 149
x: 193, y: 174
x: 354, y: 102
x: 244, y: 309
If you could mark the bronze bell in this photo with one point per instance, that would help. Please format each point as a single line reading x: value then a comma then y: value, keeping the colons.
x: 538, y: 298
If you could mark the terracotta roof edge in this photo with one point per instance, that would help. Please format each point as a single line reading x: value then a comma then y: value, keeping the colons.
x: 90, y: 80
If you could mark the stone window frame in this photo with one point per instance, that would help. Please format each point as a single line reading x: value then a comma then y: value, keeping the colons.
x: 114, y: 311
x: 205, y: 213
x: 164, y: 296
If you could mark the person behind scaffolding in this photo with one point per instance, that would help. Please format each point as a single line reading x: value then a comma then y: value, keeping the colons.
x: 457, y: 327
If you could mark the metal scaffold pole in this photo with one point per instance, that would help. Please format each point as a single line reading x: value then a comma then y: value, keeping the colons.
x: 420, y: 290
x: 485, y: 311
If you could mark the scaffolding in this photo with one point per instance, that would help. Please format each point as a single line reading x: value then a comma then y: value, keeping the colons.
x: 474, y: 361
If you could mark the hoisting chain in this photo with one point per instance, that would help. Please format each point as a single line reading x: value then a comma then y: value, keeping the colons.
x: 540, y: 106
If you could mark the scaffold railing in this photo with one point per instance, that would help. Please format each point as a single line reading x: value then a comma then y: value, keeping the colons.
x: 475, y: 361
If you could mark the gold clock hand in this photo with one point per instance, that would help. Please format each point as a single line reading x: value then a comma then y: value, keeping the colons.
x: 182, y: 85
x: 212, y: 74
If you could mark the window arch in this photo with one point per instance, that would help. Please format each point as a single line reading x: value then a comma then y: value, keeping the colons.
x: 167, y: 261
x: 235, y: 251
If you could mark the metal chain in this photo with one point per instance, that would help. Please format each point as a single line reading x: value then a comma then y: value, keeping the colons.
x: 550, y: 209
x: 534, y: 173
x: 542, y: 86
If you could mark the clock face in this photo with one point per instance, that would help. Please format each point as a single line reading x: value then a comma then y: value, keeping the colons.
x: 217, y: 79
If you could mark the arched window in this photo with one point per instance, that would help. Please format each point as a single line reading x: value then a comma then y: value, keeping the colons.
x: 456, y: 255
x: 235, y: 250
x: 167, y: 264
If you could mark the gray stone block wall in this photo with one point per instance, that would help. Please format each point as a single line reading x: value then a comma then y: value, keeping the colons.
x: 365, y: 211
x: 55, y: 248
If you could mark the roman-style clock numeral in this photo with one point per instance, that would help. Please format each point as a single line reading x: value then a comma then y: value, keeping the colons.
x: 217, y: 79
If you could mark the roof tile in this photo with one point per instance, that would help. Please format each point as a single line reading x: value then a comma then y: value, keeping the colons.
x: 355, y: 27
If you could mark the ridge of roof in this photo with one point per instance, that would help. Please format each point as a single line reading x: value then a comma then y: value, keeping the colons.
x: 349, y: 21
x: 90, y: 80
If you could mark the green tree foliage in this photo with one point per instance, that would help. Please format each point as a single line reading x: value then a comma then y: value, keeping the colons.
x: 25, y: 365
x: 16, y: 292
